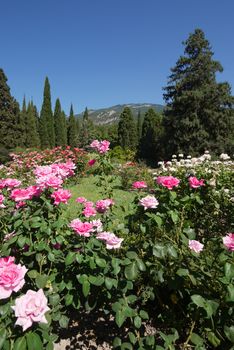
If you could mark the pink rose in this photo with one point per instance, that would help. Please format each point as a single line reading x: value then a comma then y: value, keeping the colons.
x: 95, y: 144
x: 149, y: 202
x: 228, y: 241
x: 89, y: 211
x: 104, y: 146
x: 30, y: 308
x: 103, y: 204
x: 91, y: 162
x: 81, y: 228
x: 11, y: 183
x: 11, y: 279
x: 195, y: 183
x: 97, y: 225
x: 21, y: 194
x: 112, y: 241
x: 49, y: 181
x: 168, y: 181
x: 2, y: 198
x: 35, y: 191
x: 6, y: 261
x: 81, y: 200
x: 195, y: 246
x: 61, y: 196
x: 43, y: 170
x: 139, y: 184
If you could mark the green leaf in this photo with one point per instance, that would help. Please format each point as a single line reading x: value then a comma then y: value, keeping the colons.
x: 97, y: 281
x: 229, y: 332
x: 21, y: 241
x: 196, y: 339
x: 100, y: 262
x: 159, y: 250
x: 213, y: 339
x: 32, y: 274
x: 182, y: 272
x: 230, y: 295
x: 70, y: 258
x: 20, y: 344
x: 144, y: 315
x: 41, y: 281
x: 126, y: 346
x: 137, y: 322
x: 3, y: 335
x: 86, y: 288
x: 63, y: 321
x: 34, y: 341
x: 50, y: 346
x: 132, y: 255
x: 172, y: 251
x: 54, y: 299
x: 229, y: 271
x: 141, y: 265
x: 68, y: 299
x: 117, y: 342
x: 174, y: 216
x: 119, y: 318
x: 131, y: 271
x: 110, y: 282
x: 158, y: 220
x: 198, y: 300
x: 132, y: 338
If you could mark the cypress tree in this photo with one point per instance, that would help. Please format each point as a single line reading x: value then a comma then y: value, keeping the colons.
x: 64, y: 133
x: 47, y: 133
x: 127, y: 132
x: 32, y: 136
x: 71, y: 131
x: 199, y: 113
x: 22, y: 124
x: 9, y: 116
x: 59, y: 124
x: 87, y: 131
x: 150, y: 145
x: 139, y: 126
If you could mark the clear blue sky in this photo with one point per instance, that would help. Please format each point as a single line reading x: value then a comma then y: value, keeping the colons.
x: 98, y: 53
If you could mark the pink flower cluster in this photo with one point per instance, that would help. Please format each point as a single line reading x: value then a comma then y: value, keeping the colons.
x: 195, y: 183
x: 2, y: 198
x: 139, y: 185
x: 149, y: 202
x: 81, y: 228
x: 9, y: 183
x: 61, y: 196
x: 168, y: 181
x: 103, y: 205
x: 11, y: 277
x: 91, y: 162
x: 22, y: 194
x: 111, y: 240
x: 228, y: 241
x: 30, y: 308
x: 100, y: 146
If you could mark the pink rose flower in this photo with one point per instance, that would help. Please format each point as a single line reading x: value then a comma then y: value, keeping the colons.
x: 195, y: 183
x: 61, y: 196
x: 11, y: 279
x: 195, y: 246
x: 149, y: 202
x: 95, y: 144
x: 97, y: 225
x: 35, y: 191
x: 89, y: 211
x: 21, y: 194
x: 100, y: 146
x: 112, y: 241
x: 91, y: 162
x: 168, y: 181
x: 31, y: 307
x: 2, y: 198
x: 81, y: 200
x: 49, y: 181
x: 139, y: 184
x: 103, y: 204
x: 43, y: 170
x: 81, y: 228
x: 228, y: 241
x: 6, y: 261
x: 11, y: 183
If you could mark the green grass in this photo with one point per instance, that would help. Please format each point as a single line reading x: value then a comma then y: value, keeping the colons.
x: 87, y: 188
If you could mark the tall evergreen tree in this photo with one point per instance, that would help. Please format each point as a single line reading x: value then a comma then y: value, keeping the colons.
x: 22, y: 124
x: 64, y: 134
x: 47, y: 133
x: 127, y: 132
x: 139, y: 126
x: 9, y: 116
x: 199, y: 113
x: 71, y: 131
x: 87, y: 130
x: 150, y: 142
x: 32, y: 136
x: 60, y: 128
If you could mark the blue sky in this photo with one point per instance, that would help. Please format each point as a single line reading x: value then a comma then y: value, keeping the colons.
x: 98, y: 53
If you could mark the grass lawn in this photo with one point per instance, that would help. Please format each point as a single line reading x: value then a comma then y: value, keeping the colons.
x: 87, y: 188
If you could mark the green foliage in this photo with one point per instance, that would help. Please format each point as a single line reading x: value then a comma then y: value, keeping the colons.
x: 199, y: 113
x: 71, y: 129
x: 127, y: 133
x: 60, y: 125
x: 47, y: 133
x: 32, y: 136
x: 87, y: 132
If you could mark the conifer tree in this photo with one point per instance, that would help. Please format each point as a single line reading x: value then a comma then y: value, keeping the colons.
x: 32, y: 136
x: 127, y: 132
x: 47, y: 133
x: 150, y: 142
x: 59, y: 124
x: 199, y: 113
x: 22, y: 124
x: 64, y: 134
x: 9, y: 116
x: 139, y: 126
x: 87, y: 131
x: 71, y: 131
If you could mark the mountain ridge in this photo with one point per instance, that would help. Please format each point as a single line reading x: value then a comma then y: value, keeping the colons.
x: 110, y: 115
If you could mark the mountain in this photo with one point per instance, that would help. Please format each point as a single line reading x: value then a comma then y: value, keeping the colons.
x: 111, y: 115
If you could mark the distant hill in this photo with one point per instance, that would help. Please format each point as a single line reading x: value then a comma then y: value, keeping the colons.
x: 111, y: 115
